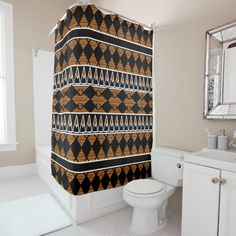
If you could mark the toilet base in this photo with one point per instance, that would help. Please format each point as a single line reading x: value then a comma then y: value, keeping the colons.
x: 144, y: 221
x: 147, y: 221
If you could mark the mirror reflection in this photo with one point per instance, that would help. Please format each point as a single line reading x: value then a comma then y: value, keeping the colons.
x: 229, y: 85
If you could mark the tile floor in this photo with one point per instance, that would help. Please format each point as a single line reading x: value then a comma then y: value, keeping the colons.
x: 115, y: 224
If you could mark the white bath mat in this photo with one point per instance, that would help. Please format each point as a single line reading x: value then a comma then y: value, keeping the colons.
x: 32, y: 216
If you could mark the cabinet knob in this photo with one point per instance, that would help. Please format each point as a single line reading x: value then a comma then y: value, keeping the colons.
x: 178, y: 165
x: 215, y: 180
x: 223, y: 181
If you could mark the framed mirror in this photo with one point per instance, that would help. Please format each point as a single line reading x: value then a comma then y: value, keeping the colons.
x: 220, y: 73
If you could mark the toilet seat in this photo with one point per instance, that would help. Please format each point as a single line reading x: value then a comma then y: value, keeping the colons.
x: 145, y: 188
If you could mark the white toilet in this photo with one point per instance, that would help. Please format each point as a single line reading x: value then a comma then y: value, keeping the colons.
x: 149, y: 197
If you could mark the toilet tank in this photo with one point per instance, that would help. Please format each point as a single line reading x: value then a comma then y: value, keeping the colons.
x: 167, y: 165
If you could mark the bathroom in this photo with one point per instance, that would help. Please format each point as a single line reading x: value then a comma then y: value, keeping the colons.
x: 29, y: 193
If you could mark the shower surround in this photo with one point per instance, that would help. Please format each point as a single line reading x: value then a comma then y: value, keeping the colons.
x: 102, y: 117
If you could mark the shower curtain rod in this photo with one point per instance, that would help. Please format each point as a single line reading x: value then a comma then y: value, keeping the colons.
x: 87, y: 2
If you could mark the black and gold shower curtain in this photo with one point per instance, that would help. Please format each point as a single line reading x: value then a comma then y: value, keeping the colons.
x: 102, y: 101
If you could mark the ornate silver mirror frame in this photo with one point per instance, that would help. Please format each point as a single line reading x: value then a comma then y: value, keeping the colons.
x: 220, y: 82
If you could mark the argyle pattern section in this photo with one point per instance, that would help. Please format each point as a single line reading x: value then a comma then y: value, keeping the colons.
x: 92, y: 147
x: 91, y: 17
x: 78, y: 184
x: 91, y: 99
x: 102, y: 111
x: 87, y: 51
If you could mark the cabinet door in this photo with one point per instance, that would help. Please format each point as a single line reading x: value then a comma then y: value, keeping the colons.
x: 200, y: 201
x: 227, y: 225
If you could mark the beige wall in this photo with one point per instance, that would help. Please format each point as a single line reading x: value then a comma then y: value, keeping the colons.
x: 180, y: 58
x: 33, y: 20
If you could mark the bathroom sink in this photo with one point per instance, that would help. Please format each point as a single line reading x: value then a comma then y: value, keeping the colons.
x: 225, y: 160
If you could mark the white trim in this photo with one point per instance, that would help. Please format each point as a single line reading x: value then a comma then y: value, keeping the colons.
x: 12, y: 172
x: 7, y: 10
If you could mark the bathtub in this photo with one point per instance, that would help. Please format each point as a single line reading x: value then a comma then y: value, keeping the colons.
x: 84, y: 207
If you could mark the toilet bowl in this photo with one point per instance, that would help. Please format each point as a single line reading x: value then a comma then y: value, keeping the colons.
x: 146, y: 196
x: 149, y: 197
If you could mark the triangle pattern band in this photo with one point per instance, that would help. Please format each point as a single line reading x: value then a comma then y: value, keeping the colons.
x: 100, y: 123
x: 87, y: 75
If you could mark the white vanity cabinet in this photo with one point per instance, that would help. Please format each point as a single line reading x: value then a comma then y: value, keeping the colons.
x: 200, y: 201
x: 227, y: 209
x: 209, y: 201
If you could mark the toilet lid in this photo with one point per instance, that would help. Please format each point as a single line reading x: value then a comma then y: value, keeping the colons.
x: 144, y: 186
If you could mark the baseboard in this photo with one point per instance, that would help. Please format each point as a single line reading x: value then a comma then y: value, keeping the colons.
x: 12, y: 172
